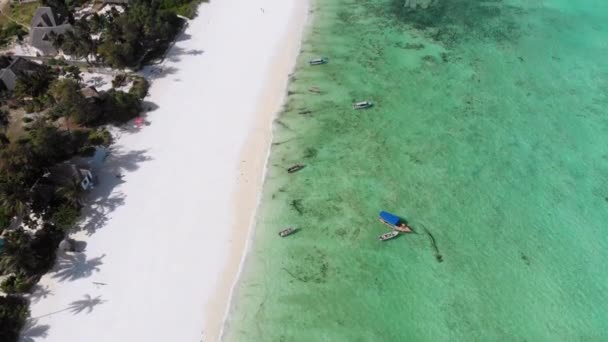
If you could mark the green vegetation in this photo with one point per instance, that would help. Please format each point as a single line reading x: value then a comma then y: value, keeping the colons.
x: 14, y: 21
x: 17, y: 284
x: 67, y: 123
x: 66, y: 120
x: 13, y: 312
x: 69, y: 100
x: 34, y: 85
x: 140, y: 87
x: 141, y: 33
x: 185, y: 8
x: 77, y: 42
x: 10, y: 31
x: 19, y: 13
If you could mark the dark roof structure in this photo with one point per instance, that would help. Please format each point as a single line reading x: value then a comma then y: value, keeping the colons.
x: 17, y: 66
x: 45, y: 24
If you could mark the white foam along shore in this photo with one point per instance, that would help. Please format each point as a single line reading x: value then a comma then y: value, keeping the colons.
x: 162, y: 244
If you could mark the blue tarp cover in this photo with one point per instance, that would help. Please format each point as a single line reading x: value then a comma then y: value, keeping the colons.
x: 389, y: 218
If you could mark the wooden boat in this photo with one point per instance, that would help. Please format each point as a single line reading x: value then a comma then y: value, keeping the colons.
x: 314, y: 90
x: 295, y: 168
x: 362, y: 105
x: 394, y: 222
x: 388, y: 235
x: 317, y: 61
x: 287, y: 231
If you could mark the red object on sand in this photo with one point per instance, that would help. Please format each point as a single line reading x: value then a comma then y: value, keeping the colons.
x: 139, y: 121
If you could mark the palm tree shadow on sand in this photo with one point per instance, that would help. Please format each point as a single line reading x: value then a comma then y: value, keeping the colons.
x: 76, y: 266
x: 33, y: 331
x: 40, y: 292
x: 104, y: 199
x: 88, y: 303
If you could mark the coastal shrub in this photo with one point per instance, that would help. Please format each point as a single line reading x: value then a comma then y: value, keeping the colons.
x: 140, y: 87
x: 65, y: 216
x: 119, y: 80
x: 87, y: 151
x: 184, y: 8
x: 120, y: 107
x: 27, y: 255
x: 97, y: 22
x: 5, y: 219
x: 13, y: 313
x: 11, y: 30
x: 34, y: 84
x: 48, y: 144
x: 35, y: 105
x: 72, y: 72
x: 76, y: 42
x: 44, y: 247
x: 71, y: 103
x: 18, y: 284
x: 141, y: 33
x: 56, y: 62
x: 17, y: 254
x: 100, y: 137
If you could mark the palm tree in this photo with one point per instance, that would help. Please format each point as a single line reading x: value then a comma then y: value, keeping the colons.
x: 17, y: 254
x: 14, y: 197
x: 72, y: 193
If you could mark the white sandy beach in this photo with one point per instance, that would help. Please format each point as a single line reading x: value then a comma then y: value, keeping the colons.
x: 163, y: 244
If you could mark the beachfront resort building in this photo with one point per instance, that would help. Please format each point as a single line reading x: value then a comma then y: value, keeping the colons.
x: 46, y: 24
x: 11, y: 68
x: 71, y: 172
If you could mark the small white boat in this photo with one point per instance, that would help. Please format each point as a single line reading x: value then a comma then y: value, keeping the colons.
x: 287, y: 231
x: 317, y: 61
x: 388, y: 236
x: 362, y: 105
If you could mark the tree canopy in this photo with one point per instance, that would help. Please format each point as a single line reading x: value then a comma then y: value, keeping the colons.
x: 142, y: 32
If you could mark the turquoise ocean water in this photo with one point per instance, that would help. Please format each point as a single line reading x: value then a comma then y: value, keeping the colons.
x: 489, y: 135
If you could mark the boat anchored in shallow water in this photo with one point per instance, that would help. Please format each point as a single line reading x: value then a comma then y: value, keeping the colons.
x: 394, y: 222
x: 295, y: 168
x: 317, y: 61
x: 362, y: 105
x: 388, y: 235
x: 287, y: 231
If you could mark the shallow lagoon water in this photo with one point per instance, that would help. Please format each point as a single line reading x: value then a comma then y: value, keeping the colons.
x: 489, y: 135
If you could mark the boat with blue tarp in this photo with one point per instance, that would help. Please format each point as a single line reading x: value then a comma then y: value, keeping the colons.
x: 394, y: 222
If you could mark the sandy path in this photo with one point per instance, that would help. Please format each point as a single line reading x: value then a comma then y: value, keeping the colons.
x: 163, y: 243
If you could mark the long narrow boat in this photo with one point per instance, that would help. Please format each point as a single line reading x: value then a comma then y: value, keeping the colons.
x: 394, y: 222
x: 295, y: 168
x: 317, y: 61
x: 287, y: 231
x: 362, y: 105
x: 388, y: 236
